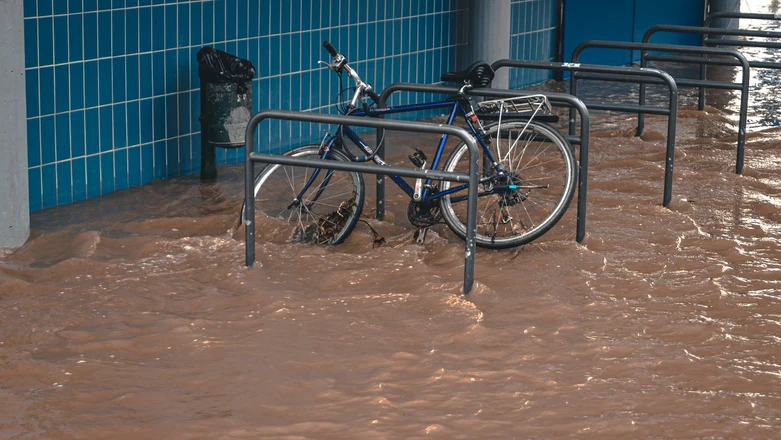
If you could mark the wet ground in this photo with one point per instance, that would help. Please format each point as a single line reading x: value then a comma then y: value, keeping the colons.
x: 132, y: 316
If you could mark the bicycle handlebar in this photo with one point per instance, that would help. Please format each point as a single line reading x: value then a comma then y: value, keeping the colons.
x: 339, y: 63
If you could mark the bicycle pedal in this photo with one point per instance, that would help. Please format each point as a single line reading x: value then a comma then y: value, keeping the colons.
x: 418, y: 159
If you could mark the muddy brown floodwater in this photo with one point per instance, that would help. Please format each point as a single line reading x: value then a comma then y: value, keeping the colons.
x: 131, y: 316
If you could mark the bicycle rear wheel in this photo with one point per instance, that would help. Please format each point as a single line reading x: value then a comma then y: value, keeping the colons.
x: 316, y: 205
x: 538, y: 185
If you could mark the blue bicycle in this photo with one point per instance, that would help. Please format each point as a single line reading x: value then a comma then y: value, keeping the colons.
x: 527, y: 181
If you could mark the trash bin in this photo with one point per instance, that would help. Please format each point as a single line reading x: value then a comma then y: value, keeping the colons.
x: 226, y: 104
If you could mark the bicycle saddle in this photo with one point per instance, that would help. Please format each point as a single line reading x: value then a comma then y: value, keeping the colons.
x: 479, y: 74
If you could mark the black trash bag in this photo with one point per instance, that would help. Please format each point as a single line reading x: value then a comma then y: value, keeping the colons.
x: 221, y: 67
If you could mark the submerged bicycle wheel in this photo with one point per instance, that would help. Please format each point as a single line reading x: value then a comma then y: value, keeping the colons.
x: 534, y: 193
x: 326, y: 211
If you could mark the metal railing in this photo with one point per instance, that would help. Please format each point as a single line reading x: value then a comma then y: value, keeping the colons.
x: 619, y: 74
x: 702, y: 51
x: 556, y: 99
x: 414, y: 126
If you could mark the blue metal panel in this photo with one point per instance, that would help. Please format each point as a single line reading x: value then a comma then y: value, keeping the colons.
x: 598, y: 20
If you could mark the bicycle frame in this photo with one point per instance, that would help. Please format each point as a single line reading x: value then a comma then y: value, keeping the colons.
x: 456, y: 108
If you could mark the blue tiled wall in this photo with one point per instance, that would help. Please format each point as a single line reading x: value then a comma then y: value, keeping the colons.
x: 113, y: 90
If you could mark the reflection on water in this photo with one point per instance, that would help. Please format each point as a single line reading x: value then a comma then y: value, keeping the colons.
x: 132, y: 316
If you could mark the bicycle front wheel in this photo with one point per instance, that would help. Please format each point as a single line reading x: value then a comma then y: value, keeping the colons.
x: 535, y: 190
x: 315, y: 205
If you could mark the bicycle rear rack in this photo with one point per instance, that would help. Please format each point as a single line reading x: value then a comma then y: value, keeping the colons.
x: 421, y: 127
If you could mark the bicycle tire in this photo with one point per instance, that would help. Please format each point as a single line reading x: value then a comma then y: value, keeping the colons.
x: 334, y: 212
x: 533, y: 154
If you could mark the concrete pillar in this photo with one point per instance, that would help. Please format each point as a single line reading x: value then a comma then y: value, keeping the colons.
x: 14, y: 200
x: 488, y: 30
x: 725, y: 6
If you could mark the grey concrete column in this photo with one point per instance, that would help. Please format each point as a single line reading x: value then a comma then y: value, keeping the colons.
x: 488, y: 30
x: 725, y: 6
x: 14, y: 200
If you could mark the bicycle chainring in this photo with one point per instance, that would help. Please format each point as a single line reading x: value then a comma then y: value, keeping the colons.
x: 423, y: 214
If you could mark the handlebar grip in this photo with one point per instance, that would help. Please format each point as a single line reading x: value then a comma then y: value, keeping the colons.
x: 330, y: 48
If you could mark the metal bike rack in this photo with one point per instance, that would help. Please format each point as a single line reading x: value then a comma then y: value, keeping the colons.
x: 644, y: 47
x: 707, y: 30
x: 556, y: 99
x: 620, y: 74
x: 471, y: 178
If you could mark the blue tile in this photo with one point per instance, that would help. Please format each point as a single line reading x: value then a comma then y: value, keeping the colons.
x: 63, y: 136
x: 90, y: 5
x: 295, y: 55
x: 145, y: 29
x: 158, y: 112
x: 106, y: 128
x: 131, y: 37
x: 104, y: 34
x: 118, y: 4
x: 33, y: 142
x: 118, y: 79
x: 134, y: 166
x: 92, y: 127
x: 31, y: 43
x: 79, y: 179
x: 74, y: 6
x: 31, y: 87
x: 30, y: 8
x: 64, y: 185
x: 184, y: 113
x: 170, y: 71
x: 131, y: 3
x: 131, y: 68
x: 45, y: 41
x: 34, y: 188
x: 195, y: 110
x: 45, y: 7
x: 208, y: 23
x: 285, y: 17
x: 77, y: 134
x: 120, y: 170
x: 90, y: 36
x: 145, y: 74
x: 158, y: 28
x: 91, y: 84
x: 104, y: 4
x: 104, y: 81
x: 147, y: 121
x: 49, y: 185
x: 183, y: 31
x: 230, y: 20
x: 195, y: 81
x: 276, y: 11
x: 159, y: 155
x: 172, y: 116
x: 219, y: 20
x: 47, y: 90
x: 252, y: 16
x: 195, y: 27
x: 93, y: 176
x: 275, y: 55
x: 183, y: 69
x: 133, y: 127
x: 76, y: 47
x: 120, y: 126
x: 61, y: 39
x: 185, y: 156
x: 170, y: 26
x: 107, y: 172
x: 172, y: 157
x: 158, y: 73
x: 147, y: 164
x: 242, y: 49
x: 306, y: 15
x: 118, y: 32
x: 62, y: 88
